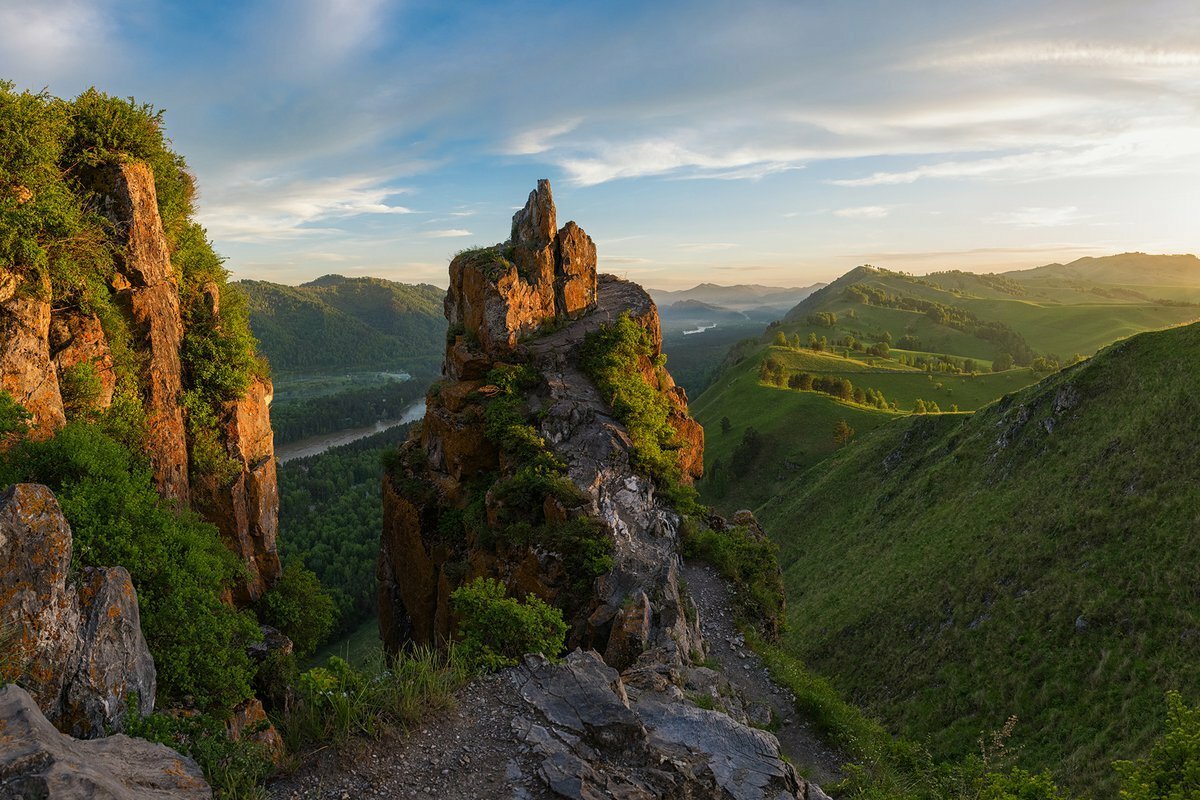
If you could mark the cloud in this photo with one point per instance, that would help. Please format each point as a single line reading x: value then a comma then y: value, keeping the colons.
x: 1033, y: 217
x: 288, y: 207
x: 451, y: 233
x: 704, y: 247
x: 1070, y: 54
x: 538, y: 140
x: 44, y: 41
x: 863, y: 212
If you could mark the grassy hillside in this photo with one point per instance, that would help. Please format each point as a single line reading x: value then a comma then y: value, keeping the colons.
x: 337, y: 324
x: 1037, y: 559
x: 944, y: 333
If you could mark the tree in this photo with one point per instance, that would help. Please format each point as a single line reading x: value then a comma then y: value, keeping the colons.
x: 781, y: 339
x: 842, y: 432
x: 726, y: 425
x: 1002, y: 362
x: 886, y: 338
x: 919, y: 406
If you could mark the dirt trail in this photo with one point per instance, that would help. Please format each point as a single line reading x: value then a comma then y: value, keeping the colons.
x: 463, y: 754
x: 746, y: 671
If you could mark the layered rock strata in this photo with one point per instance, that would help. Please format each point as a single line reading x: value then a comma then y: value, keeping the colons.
x: 77, y: 645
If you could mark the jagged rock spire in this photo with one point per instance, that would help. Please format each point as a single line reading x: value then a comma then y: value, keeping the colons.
x: 502, y: 294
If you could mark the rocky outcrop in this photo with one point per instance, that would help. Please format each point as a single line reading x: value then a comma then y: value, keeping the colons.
x: 598, y: 737
x: 78, y: 339
x: 503, y: 294
x: 25, y: 369
x: 612, y: 721
x: 533, y: 300
x: 146, y: 284
x: 41, y: 350
x: 246, y: 509
x: 38, y: 761
x: 78, y: 647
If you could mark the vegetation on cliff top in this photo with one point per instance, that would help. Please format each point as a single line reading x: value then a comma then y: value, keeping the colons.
x: 53, y: 233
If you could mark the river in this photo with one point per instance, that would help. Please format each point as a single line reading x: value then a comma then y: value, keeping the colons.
x: 319, y: 444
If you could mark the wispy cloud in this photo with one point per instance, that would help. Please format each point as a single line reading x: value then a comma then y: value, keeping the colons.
x: 1071, y: 54
x: 1033, y: 217
x: 287, y: 207
x: 863, y: 212
x: 705, y: 247
x: 449, y: 233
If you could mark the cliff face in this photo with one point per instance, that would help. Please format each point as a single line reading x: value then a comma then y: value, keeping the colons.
x: 463, y: 499
x: 40, y: 347
x: 530, y: 301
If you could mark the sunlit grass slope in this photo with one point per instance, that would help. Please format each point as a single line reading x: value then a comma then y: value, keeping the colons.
x: 1037, y: 559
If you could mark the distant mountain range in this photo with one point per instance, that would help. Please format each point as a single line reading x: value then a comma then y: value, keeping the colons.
x: 742, y: 297
x: 339, y: 324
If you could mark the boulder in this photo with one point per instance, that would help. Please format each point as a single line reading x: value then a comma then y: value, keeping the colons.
x: 79, y: 649
x: 38, y: 761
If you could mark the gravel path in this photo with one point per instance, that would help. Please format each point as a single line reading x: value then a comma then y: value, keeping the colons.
x: 463, y: 754
x: 746, y: 671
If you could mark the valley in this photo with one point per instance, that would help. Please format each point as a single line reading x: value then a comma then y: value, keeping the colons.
x: 523, y: 527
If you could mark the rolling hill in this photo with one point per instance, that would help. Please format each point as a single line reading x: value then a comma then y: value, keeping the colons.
x: 336, y: 324
x: 944, y: 333
x: 1036, y: 558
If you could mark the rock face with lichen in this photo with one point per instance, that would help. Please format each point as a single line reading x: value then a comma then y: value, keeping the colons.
x: 42, y: 350
x: 38, y: 761
x: 523, y: 472
x: 77, y: 644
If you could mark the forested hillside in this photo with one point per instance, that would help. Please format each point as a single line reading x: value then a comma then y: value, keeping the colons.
x: 338, y: 324
x: 1035, y: 559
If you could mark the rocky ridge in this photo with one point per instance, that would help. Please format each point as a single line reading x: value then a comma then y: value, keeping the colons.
x: 613, y: 720
x: 39, y: 345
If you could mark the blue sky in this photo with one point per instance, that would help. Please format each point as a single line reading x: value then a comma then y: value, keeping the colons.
x: 754, y: 142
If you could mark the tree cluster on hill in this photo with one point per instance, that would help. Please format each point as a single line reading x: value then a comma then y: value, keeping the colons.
x: 342, y: 324
x: 998, y: 333
x: 773, y: 372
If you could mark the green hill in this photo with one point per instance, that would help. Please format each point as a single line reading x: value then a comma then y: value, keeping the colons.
x: 943, y: 334
x: 1037, y: 558
x: 337, y: 324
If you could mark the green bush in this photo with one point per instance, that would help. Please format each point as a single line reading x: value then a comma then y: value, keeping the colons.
x: 13, y: 416
x: 235, y: 770
x: 751, y: 564
x: 336, y: 701
x: 1172, y: 769
x: 496, y: 630
x: 80, y: 388
x: 179, y: 565
x: 299, y: 607
x: 612, y: 356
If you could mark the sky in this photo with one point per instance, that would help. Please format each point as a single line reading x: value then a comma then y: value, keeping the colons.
x: 779, y: 143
